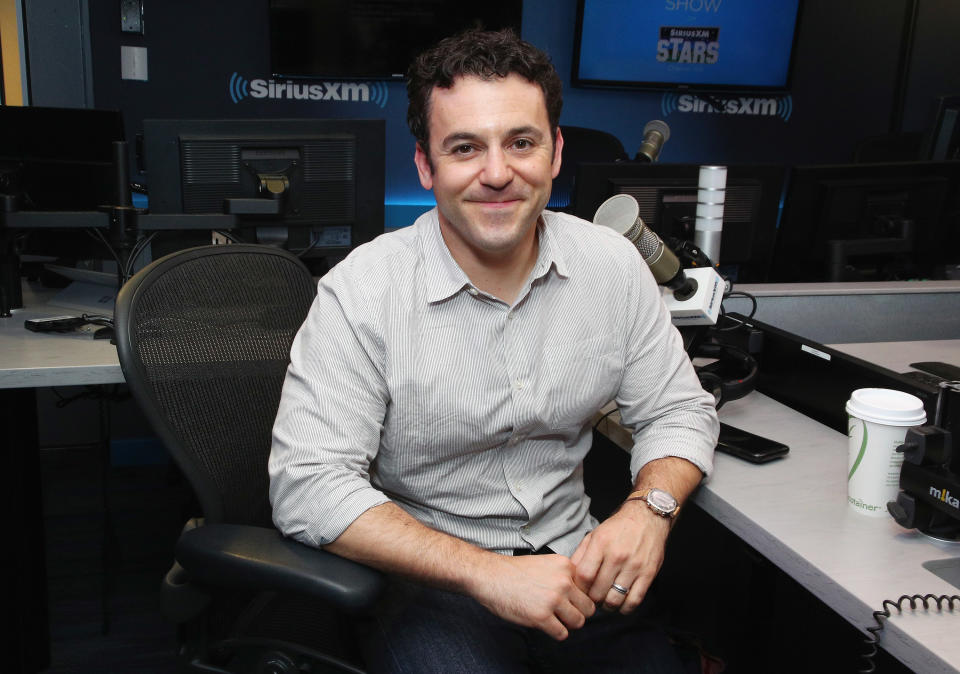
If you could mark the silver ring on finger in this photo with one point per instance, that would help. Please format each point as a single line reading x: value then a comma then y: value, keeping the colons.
x: 620, y: 588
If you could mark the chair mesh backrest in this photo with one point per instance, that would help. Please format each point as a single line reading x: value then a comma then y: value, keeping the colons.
x: 204, y: 338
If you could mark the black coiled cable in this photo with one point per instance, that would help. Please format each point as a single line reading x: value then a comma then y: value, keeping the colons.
x: 884, y: 612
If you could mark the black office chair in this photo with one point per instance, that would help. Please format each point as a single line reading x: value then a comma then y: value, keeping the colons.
x: 581, y: 144
x: 204, y: 339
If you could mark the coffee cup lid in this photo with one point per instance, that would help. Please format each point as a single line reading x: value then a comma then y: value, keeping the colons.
x: 886, y: 406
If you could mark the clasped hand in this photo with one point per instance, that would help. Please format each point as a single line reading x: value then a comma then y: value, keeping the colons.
x: 626, y: 551
x: 556, y: 594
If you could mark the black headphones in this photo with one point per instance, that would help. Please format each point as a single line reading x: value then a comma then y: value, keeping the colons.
x: 732, y: 375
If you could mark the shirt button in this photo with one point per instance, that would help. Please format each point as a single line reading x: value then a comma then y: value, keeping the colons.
x: 473, y: 291
x: 519, y: 385
x: 510, y: 316
x: 525, y: 528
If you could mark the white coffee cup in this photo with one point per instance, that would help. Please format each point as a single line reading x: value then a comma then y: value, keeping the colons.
x: 878, y: 422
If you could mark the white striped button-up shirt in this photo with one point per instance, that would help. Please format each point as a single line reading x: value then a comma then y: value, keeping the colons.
x: 407, y: 383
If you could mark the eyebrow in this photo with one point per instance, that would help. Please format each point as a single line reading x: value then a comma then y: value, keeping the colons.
x: 464, y: 136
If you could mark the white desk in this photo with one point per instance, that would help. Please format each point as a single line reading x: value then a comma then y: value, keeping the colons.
x: 897, y: 356
x: 794, y: 512
x: 31, y: 360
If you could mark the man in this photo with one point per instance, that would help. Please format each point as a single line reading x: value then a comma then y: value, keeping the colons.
x: 438, y: 404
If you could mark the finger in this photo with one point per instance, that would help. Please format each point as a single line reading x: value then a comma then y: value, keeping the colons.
x: 603, y: 582
x: 637, y: 593
x: 587, y: 569
x: 583, y: 603
x: 615, y: 598
x: 581, y: 550
x: 570, y: 615
x: 554, y: 628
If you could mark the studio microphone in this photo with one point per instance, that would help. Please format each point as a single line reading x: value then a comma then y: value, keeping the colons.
x: 621, y: 213
x: 696, y: 294
x: 655, y: 134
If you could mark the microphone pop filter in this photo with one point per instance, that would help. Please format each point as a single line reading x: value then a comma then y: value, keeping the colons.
x: 619, y: 213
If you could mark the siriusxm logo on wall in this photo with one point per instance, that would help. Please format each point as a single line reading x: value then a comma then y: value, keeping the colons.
x: 777, y: 106
x: 339, y: 92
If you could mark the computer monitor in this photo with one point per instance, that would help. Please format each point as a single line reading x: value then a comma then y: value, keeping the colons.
x: 667, y: 195
x: 314, y: 186
x: 867, y: 222
x: 58, y: 159
x: 54, y: 161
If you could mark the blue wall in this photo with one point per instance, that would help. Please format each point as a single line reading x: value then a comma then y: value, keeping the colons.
x: 842, y: 90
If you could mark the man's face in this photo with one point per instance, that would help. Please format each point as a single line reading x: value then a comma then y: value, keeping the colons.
x: 492, y: 162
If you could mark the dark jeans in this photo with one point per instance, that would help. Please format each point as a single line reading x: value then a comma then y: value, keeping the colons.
x: 419, y: 630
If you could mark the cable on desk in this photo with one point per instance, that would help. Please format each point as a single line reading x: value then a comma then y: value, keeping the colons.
x: 98, y: 319
x: 737, y: 323
x: 884, y: 612
x: 314, y: 240
x: 605, y: 415
x: 136, y: 252
x: 98, y: 235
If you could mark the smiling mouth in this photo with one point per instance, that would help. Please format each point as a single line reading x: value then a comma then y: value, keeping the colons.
x: 500, y: 203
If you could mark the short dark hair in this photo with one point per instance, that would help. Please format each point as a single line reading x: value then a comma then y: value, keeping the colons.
x: 483, y: 54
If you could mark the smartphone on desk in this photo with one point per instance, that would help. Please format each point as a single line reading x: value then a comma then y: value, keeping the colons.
x: 748, y: 446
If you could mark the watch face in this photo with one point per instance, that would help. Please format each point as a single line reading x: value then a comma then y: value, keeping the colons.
x: 661, y: 501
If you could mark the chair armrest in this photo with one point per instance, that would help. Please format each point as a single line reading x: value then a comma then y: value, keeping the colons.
x: 261, y: 558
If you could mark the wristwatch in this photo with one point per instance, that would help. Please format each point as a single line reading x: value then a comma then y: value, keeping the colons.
x: 661, y: 502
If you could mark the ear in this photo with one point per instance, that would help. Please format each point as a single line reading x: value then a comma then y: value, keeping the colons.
x: 424, y: 170
x: 557, y: 149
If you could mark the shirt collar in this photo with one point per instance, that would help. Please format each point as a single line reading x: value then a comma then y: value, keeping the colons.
x: 444, y: 277
x: 551, y: 252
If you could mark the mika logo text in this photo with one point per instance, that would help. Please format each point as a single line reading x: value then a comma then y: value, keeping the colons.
x: 945, y: 496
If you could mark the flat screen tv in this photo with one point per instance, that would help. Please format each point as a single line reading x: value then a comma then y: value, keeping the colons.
x: 702, y: 45
x: 371, y: 39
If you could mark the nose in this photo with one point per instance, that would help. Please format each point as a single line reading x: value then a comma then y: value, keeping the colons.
x: 497, y: 172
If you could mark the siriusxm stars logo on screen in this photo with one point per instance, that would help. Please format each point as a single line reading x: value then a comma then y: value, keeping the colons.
x: 774, y: 106
x: 339, y: 92
x: 682, y: 44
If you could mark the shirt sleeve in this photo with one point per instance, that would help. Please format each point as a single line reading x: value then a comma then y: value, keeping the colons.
x: 328, y: 425
x: 660, y: 396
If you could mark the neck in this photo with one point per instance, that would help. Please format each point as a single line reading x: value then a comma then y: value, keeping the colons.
x: 502, y: 275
